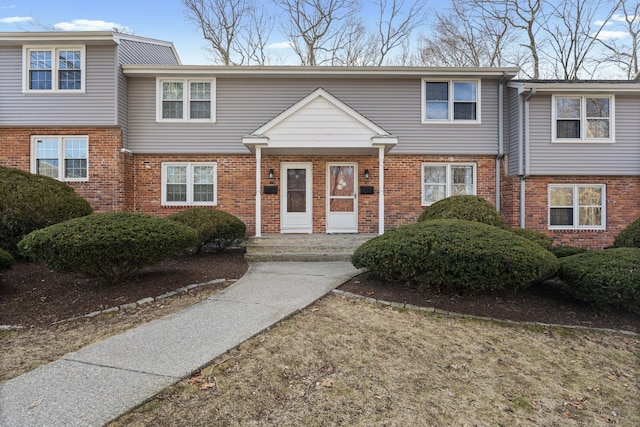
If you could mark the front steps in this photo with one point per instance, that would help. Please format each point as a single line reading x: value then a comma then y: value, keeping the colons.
x: 304, y: 247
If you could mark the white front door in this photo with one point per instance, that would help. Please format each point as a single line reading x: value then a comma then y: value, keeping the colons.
x: 342, y: 203
x: 295, y: 199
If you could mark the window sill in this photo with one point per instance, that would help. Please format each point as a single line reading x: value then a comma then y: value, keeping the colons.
x: 452, y: 122
x: 583, y: 141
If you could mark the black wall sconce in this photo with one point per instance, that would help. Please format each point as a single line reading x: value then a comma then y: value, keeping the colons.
x: 366, y: 174
x: 270, y: 173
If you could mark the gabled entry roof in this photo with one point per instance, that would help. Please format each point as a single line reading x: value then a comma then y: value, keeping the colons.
x: 320, y: 124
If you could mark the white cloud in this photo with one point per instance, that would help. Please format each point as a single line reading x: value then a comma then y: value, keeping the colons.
x: 280, y: 45
x: 612, y: 35
x: 15, y: 19
x: 600, y: 22
x: 87, y: 25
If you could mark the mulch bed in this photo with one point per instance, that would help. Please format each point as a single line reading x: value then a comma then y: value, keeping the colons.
x: 31, y: 295
x: 548, y: 303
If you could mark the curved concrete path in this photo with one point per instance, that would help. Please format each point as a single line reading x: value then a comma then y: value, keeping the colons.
x: 97, y: 384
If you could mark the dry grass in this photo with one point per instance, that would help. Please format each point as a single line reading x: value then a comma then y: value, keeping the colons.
x: 346, y: 362
x: 24, y: 350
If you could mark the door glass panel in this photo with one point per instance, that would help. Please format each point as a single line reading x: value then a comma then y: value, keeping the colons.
x: 341, y: 190
x: 296, y: 190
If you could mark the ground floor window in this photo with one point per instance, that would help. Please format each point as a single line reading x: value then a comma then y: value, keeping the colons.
x: 189, y: 184
x: 576, y: 206
x: 64, y: 158
x: 441, y: 180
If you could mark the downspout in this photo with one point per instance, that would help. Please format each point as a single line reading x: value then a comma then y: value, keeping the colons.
x: 525, y: 158
x: 500, y: 155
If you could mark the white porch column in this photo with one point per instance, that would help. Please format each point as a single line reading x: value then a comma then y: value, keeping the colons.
x: 381, y: 190
x: 258, y: 193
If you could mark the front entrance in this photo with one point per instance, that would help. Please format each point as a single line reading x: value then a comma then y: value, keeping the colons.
x: 296, y: 198
x: 342, y: 203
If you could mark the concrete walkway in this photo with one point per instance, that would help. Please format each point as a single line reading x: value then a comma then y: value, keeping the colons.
x: 97, y: 384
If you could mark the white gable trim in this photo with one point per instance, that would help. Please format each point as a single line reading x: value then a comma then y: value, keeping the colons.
x: 361, y: 134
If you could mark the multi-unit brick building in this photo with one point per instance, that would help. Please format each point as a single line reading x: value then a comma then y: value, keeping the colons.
x: 317, y: 149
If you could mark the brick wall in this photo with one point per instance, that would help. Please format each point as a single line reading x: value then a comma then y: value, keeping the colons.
x: 622, y: 206
x: 106, y: 187
x: 236, y: 186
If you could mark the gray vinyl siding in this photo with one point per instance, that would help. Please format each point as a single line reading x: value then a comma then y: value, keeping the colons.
x: 619, y: 158
x: 96, y: 107
x: 515, y: 131
x: 243, y: 105
x: 141, y: 53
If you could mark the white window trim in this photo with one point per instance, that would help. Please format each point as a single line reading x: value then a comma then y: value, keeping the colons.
x: 189, y: 166
x: 54, y: 71
x: 185, y: 99
x: 575, y: 207
x: 423, y: 112
x: 449, y: 176
x: 61, y: 149
x: 583, y: 120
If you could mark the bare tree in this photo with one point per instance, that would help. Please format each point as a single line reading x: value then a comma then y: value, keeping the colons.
x: 237, y: 30
x: 467, y: 36
x: 624, y: 54
x: 572, y: 35
x: 313, y: 26
x: 396, y: 22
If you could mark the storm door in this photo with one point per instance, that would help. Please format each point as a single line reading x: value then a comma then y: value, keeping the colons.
x: 295, y: 215
x: 342, y: 203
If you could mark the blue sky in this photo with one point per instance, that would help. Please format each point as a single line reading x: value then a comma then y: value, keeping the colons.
x: 160, y: 19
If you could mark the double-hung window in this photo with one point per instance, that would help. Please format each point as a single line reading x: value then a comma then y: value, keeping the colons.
x: 64, y: 158
x: 189, y: 184
x: 577, y: 206
x: 583, y: 118
x: 54, y: 69
x: 186, y: 100
x: 450, y: 101
x: 441, y: 180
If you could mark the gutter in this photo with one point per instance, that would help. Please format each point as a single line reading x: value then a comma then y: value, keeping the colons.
x: 500, y: 155
x: 525, y: 158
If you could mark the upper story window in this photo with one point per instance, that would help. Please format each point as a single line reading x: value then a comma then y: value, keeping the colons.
x: 54, y: 69
x: 64, y: 158
x: 441, y: 180
x: 189, y: 184
x: 186, y: 99
x: 451, y: 101
x: 577, y: 206
x: 583, y: 118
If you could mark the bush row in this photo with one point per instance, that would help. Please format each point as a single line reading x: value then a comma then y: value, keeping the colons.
x: 114, y: 246
x: 29, y: 202
x: 456, y: 256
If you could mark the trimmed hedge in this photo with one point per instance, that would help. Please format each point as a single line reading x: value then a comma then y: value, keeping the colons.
x: 456, y: 256
x: 29, y: 202
x: 217, y: 229
x: 564, y: 251
x: 629, y: 237
x: 608, y: 278
x: 6, y: 260
x: 110, y: 246
x: 466, y: 207
x: 535, y: 236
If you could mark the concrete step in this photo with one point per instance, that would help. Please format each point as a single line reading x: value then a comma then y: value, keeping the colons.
x: 304, y: 247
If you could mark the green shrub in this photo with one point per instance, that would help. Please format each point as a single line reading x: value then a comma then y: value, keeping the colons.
x: 607, y: 278
x: 564, y: 251
x: 629, y: 237
x: 109, y: 246
x: 456, y: 256
x: 217, y: 229
x: 6, y: 260
x: 469, y: 208
x: 29, y: 202
x: 535, y: 236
